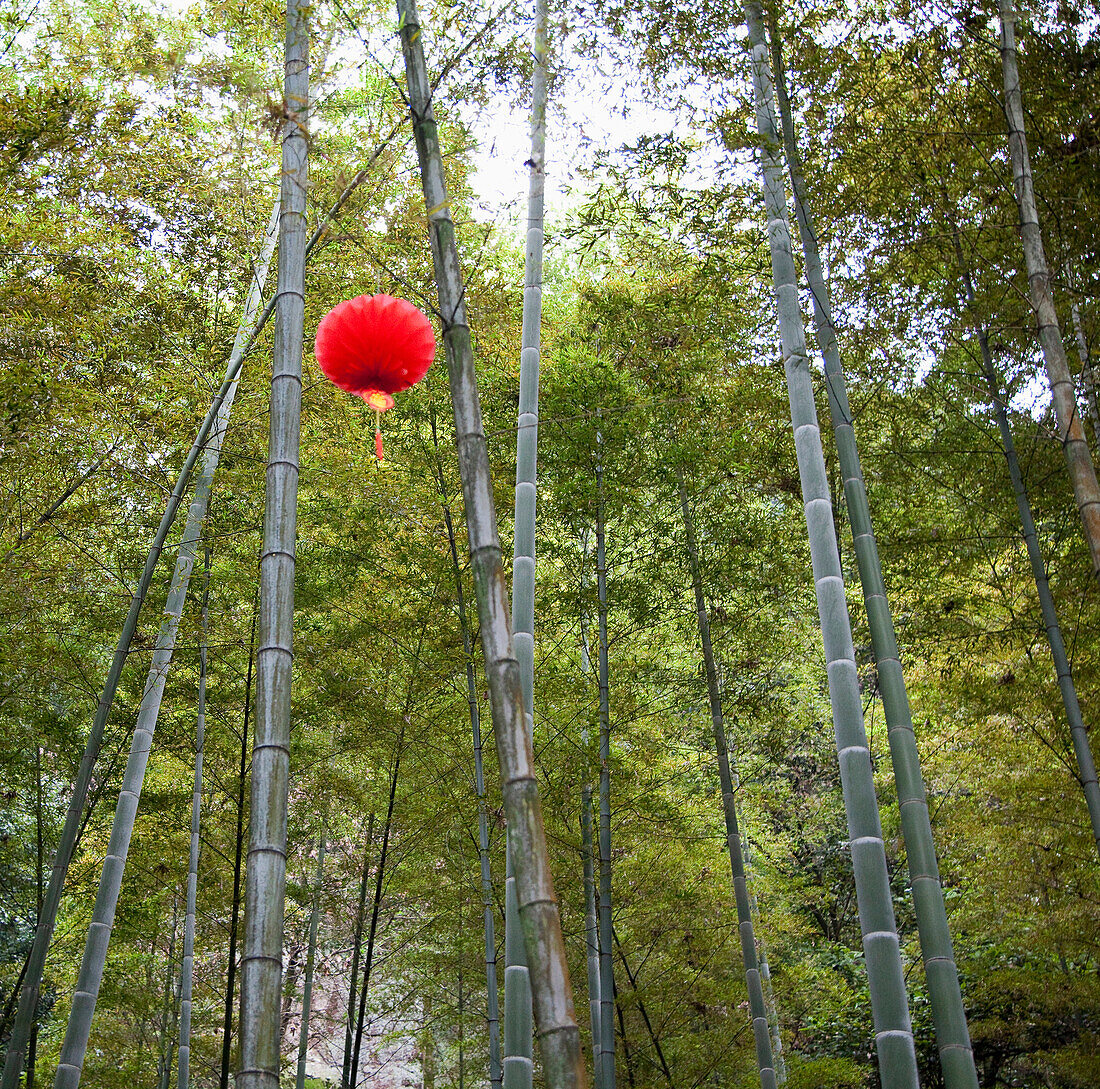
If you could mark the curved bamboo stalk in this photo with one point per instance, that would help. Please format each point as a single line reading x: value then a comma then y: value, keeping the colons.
x: 187, y: 968
x: 559, y: 1036
x: 758, y: 1011
x: 90, y: 977
x: 311, y: 960
x: 889, y: 1004
x: 518, y: 1046
x: 948, y: 1014
x: 1070, y: 432
x: 265, y: 884
x: 28, y: 999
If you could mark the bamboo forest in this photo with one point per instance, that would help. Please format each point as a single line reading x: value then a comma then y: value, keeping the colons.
x: 549, y: 547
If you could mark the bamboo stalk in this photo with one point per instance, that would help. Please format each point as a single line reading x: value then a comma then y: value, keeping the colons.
x: 518, y: 1044
x: 265, y: 886
x: 607, y: 967
x: 90, y: 977
x: 559, y: 1036
x: 357, y: 943
x: 761, y: 1030
x: 187, y: 968
x: 889, y: 1004
x: 1071, y: 434
x: 948, y: 1014
x: 496, y: 1070
x: 1086, y: 765
x: 235, y: 910
x: 591, y: 931
x: 311, y: 960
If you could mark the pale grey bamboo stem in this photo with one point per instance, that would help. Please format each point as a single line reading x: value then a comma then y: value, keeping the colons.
x: 265, y: 884
x: 889, y: 1005
x: 607, y: 966
x: 758, y: 1011
x: 187, y: 968
x: 559, y: 1036
x: 518, y: 1046
x: 948, y: 1014
x: 1070, y: 432
x: 311, y: 960
x: 90, y: 977
x: 28, y: 999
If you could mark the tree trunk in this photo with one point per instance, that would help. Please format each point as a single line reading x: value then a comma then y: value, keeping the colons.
x: 591, y: 931
x: 893, y: 1030
x: 265, y: 886
x: 558, y: 1033
x: 1070, y: 432
x: 187, y: 968
x: 761, y: 1031
x: 948, y: 1014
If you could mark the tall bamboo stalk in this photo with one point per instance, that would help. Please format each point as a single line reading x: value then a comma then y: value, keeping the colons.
x: 889, y: 1005
x: 496, y: 1071
x: 607, y: 967
x: 265, y: 886
x: 187, y: 968
x: 948, y: 1014
x: 79, y: 1026
x: 1086, y: 765
x: 379, y: 881
x: 518, y: 1045
x: 559, y: 1036
x: 591, y: 930
x: 758, y: 1011
x: 311, y: 960
x: 1070, y: 432
x: 28, y: 999
x: 766, y: 980
x: 357, y: 944
x: 235, y: 909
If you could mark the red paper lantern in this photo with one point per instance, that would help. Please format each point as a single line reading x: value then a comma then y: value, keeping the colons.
x: 375, y: 346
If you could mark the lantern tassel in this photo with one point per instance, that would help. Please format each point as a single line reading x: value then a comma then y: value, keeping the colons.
x: 378, y: 435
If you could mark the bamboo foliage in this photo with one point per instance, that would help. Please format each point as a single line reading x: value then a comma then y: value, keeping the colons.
x: 893, y: 1030
x: 187, y: 968
x: 251, y: 326
x: 949, y: 1016
x: 265, y: 885
x: 1071, y: 433
x: 761, y: 1030
x: 552, y: 995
